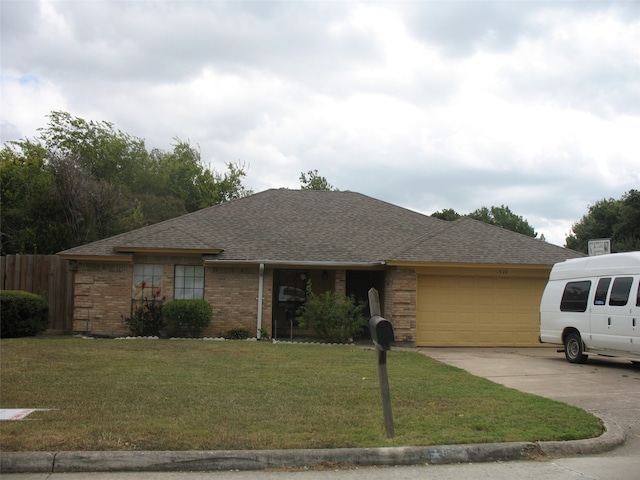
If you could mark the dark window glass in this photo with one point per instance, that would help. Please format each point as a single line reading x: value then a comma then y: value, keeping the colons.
x: 620, y: 291
x: 638, y: 296
x: 574, y: 298
x: 601, y: 291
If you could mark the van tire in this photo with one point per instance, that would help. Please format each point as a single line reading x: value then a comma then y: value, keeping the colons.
x: 573, y: 349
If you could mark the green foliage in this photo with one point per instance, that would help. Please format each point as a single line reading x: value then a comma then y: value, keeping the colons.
x: 147, y: 317
x: 188, y: 317
x: 237, y: 334
x: 618, y: 220
x: 24, y: 314
x: 448, y: 214
x: 626, y: 234
x: 336, y: 318
x: 27, y: 213
x: 502, y: 216
x: 82, y: 181
x: 312, y: 181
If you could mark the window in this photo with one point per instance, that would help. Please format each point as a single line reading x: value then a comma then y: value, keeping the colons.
x: 574, y: 298
x: 620, y: 291
x: 638, y: 296
x: 189, y: 282
x: 601, y: 291
x: 147, y: 281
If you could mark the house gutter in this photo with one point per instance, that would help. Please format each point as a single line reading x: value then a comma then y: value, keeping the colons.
x: 260, y: 294
x: 288, y: 263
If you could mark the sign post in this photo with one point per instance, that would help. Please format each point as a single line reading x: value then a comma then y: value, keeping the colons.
x: 382, y: 336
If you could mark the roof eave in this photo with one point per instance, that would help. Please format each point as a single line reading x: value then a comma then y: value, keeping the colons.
x: 419, y: 264
x: 169, y: 251
x: 120, y: 258
x: 295, y: 263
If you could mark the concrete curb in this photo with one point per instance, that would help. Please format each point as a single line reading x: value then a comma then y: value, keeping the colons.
x: 220, y: 460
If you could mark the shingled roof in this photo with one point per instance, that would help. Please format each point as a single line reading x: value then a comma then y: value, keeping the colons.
x: 470, y: 241
x: 281, y: 226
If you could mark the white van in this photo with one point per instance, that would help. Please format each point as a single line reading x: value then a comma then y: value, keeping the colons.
x: 592, y: 305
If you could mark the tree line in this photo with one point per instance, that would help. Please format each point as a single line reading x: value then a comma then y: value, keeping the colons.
x: 80, y: 181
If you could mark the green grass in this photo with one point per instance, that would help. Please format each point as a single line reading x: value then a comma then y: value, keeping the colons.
x: 201, y: 395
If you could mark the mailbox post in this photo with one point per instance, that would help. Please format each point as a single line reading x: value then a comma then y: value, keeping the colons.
x: 382, y: 335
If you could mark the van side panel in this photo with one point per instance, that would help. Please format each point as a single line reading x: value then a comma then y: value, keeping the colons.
x: 610, y: 323
x: 554, y: 323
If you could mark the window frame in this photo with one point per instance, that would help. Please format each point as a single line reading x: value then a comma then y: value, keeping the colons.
x: 188, y: 286
x: 578, y: 299
x: 620, y: 291
x: 147, y: 281
x: 602, y: 290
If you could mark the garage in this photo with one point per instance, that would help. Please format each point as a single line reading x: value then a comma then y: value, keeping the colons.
x: 479, y: 307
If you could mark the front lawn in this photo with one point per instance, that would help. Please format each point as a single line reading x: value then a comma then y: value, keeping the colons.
x: 209, y: 395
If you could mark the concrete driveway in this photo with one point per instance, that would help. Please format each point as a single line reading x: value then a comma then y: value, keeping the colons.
x: 608, y: 388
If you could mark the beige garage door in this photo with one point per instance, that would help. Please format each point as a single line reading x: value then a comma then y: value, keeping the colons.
x: 478, y: 311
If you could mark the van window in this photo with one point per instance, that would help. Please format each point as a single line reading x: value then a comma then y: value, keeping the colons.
x: 638, y: 296
x: 574, y: 298
x: 620, y: 291
x: 601, y: 291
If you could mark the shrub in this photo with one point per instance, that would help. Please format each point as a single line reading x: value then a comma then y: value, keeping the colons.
x: 188, y: 317
x: 237, y: 334
x: 336, y: 318
x: 23, y: 314
x: 146, y: 319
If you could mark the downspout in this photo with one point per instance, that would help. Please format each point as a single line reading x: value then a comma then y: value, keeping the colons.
x: 260, y: 293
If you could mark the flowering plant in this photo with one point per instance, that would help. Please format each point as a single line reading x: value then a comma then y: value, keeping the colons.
x: 146, y: 316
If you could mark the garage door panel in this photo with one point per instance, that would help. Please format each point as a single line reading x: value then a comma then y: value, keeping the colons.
x: 477, y: 311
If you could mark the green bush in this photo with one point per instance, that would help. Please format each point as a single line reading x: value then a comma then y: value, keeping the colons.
x: 336, y: 318
x: 146, y: 319
x: 188, y: 317
x: 237, y: 334
x: 23, y: 314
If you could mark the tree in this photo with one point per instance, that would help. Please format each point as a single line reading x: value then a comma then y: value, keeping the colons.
x: 100, y: 149
x: 618, y: 220
x: 313, y: 181
x: 502, y: 216
x: 448, y: 214
x: 626, y: 234
x: 599, y: 222
x: 25, y: 198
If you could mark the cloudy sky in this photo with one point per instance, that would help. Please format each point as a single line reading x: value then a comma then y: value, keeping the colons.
x: 424, y: 104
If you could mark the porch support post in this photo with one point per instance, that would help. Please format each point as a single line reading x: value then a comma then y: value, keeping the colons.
x: 260, y: 295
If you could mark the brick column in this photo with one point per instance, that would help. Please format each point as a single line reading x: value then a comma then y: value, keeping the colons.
x: 341, y: 282
x: 400, y: 302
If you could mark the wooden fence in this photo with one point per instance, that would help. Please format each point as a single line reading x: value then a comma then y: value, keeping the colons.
x: 46, y: 275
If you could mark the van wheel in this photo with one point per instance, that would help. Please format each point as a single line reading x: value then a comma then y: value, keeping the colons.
x: 573, y: 349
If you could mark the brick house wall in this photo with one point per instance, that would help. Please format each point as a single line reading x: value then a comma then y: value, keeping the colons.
x: 233, y: 295
x: 103, y: 295
x: 400, y: 297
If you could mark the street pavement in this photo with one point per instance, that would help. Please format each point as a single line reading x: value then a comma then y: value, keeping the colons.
x: 609, y: 388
